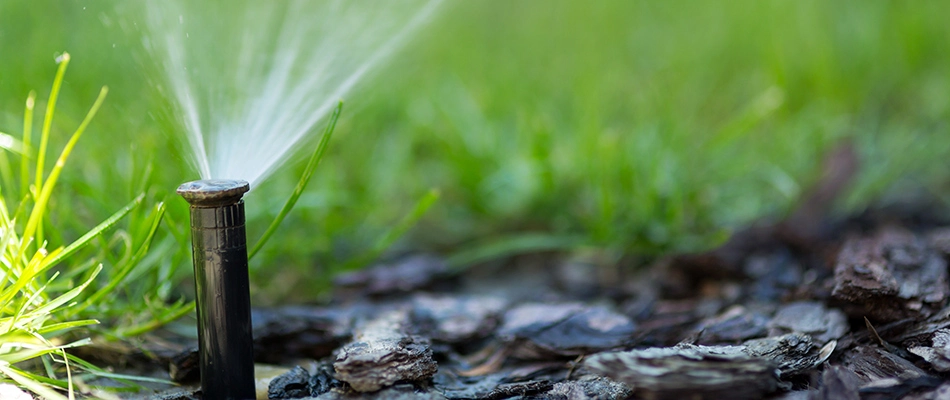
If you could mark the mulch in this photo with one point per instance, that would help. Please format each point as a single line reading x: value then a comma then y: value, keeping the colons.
x: 809, y: 307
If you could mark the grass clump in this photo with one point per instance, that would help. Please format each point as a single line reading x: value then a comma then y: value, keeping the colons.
x: 48, y: 292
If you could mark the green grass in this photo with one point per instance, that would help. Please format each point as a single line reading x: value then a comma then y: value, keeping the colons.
x: 49, y: 291
x: 618, y: 126
x: 32, y: 299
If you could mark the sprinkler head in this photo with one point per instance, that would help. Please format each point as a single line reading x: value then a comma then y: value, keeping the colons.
x: 219, y: 250
x: 213, y: 192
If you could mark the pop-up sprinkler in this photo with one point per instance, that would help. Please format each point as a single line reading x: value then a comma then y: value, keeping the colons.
x: 219, y: 248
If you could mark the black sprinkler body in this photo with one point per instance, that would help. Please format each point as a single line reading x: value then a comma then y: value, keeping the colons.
x: 219, y: 249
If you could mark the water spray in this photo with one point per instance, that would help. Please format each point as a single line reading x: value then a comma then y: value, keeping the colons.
x: 280, y: 81
x: 219, y: 249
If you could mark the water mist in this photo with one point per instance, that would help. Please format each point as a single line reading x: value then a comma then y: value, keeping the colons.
x: 248, y: 80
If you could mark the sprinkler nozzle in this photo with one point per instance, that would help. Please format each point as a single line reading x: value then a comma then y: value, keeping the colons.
x: 219, y: 250
x: 213, y: 192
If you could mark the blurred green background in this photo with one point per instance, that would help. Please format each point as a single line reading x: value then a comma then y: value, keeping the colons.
x: 625, y: 127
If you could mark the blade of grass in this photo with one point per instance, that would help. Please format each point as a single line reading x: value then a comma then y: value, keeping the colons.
x: 31, y: 351
x: 26, y: 350
x: 62, y: 326
x: 304, y: 180
x: 48, y: 366
x: 48, y: 119
x: 127, y: 379
x: 69, y: 376
x: 27, y: 142
x: 44, y: 379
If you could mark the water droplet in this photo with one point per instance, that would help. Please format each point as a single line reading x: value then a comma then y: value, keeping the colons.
x: 181, y: 19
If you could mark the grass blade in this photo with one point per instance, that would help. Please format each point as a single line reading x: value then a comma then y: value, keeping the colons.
x: 27, y: 142
x: 62, y: 326
x: 127, y: 379
x: 44, y: 380
x: 302, y: 184
x: 48, y: 119
x: 69, y: 376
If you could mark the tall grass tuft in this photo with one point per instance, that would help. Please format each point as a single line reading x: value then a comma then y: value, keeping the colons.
x: 43, y: 287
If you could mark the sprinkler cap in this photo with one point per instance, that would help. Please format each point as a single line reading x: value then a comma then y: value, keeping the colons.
x: 213, y: 192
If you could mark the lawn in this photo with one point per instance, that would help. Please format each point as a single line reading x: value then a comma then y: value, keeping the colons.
x: 604, y: 129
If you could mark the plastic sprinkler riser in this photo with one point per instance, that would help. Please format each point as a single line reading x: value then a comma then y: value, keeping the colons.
x: 219, y: 250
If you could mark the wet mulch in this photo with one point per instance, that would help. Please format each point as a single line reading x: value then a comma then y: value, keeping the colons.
x: 800, y: 309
